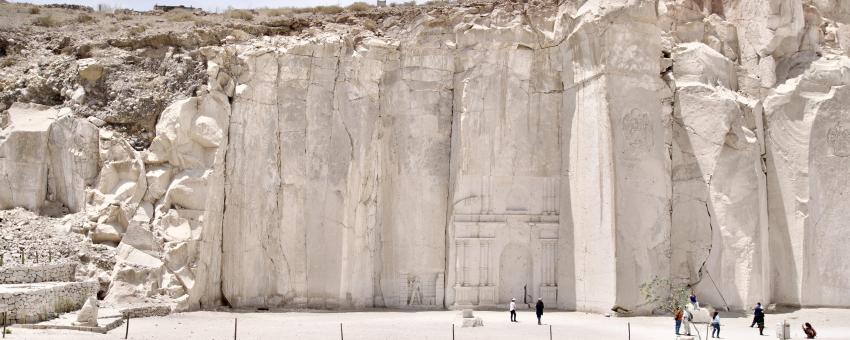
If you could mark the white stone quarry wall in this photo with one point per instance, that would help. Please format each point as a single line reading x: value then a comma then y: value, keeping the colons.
x: 620, y: 165
x: 806, y: 119
x: 38, y: 273
x: 337, y: 166
x: 718, y: 183
x: 569, y: 154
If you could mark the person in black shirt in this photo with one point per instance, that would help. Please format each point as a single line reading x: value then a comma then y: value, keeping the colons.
x: 539, y: 309
x: 758, y: 318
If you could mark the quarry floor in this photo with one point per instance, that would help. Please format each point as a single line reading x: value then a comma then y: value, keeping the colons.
x: 830, y: 324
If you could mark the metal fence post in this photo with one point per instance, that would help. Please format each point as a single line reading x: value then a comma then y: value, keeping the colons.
x: 127, y: 330
x: 235, y: 326
x: 340, y: 332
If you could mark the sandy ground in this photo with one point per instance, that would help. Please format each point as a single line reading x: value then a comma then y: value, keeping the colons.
x: 830, y: 323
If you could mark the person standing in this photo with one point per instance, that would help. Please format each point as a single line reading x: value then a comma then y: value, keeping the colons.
x: 512, y: 308
x: 715, y: 325
x: 809, y: 331
x: 755, y: 314
x: 689, y: 318
x: 694, y: 302
x: 539, y: 310
x: 758, y: 317
x: 678, y: 315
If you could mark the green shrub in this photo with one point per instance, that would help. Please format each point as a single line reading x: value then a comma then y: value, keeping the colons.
x: 240, y: 14
x: 180, y: 15
x: 276, y: 12
x: 85, y: 18
x: 203, y: 23
x: 137, y: 29
x: 663, y: 295
x: 327, y: 9
x: 35, y: 10
x: 45, y: 21
x: 359, y: 7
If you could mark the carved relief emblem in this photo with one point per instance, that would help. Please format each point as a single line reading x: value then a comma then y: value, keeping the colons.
x: 838, y: 139
x: 637, y: 130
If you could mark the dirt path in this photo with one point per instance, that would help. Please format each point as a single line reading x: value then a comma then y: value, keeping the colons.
x: 830, y: 323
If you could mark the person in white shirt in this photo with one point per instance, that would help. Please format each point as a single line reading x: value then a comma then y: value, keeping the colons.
x: 715, y: 325
x: 512, y: 308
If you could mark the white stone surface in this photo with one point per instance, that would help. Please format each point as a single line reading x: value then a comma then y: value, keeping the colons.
x: 90, y: 69
x: 74, y: 163
x: 720, y: 243
x: 463, y: 159
x: 23, y: 161
x: 34, y: 302
x: 37, y: 273
x: 806, y: 119
x: 87, y: 316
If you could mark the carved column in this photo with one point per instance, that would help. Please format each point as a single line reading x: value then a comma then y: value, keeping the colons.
x: 466, y: 269
x: 548, y: 265
x: 484, y: 264
x: 459, y: 258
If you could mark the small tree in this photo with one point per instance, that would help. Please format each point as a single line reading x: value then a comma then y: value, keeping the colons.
x: 663, y: 295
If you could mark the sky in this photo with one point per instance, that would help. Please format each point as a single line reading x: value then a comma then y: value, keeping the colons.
x: 209, y: 5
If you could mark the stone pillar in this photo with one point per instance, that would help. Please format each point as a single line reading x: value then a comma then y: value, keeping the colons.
x: 439, y: 290
x: 459, y: 258
x: 484, y: 263
x: 466, y: 268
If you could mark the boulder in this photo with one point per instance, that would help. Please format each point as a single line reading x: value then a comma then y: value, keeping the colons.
x: 158, y: 179
x: 697, y: 62
x: 188, y: 190
x: 90, y: 69
x: 79, y: 95
x: 175, y: 227
x: 107, y: 233
x: 74, y: 161
x: 139, y: 237
x: 87, y: 316
x: 472, y: 322
x: 842, y: 35
x: 135, y: 277
x: 23, y: 163
x: 120, y: 186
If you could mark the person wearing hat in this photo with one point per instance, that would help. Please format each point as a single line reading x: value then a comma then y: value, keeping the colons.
x: 512, y: 308
x: 539, y: 309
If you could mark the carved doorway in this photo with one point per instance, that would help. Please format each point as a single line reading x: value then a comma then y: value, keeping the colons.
x: 514, y: 273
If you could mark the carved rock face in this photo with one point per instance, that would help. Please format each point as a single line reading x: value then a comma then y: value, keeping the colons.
x: 466, y: 157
